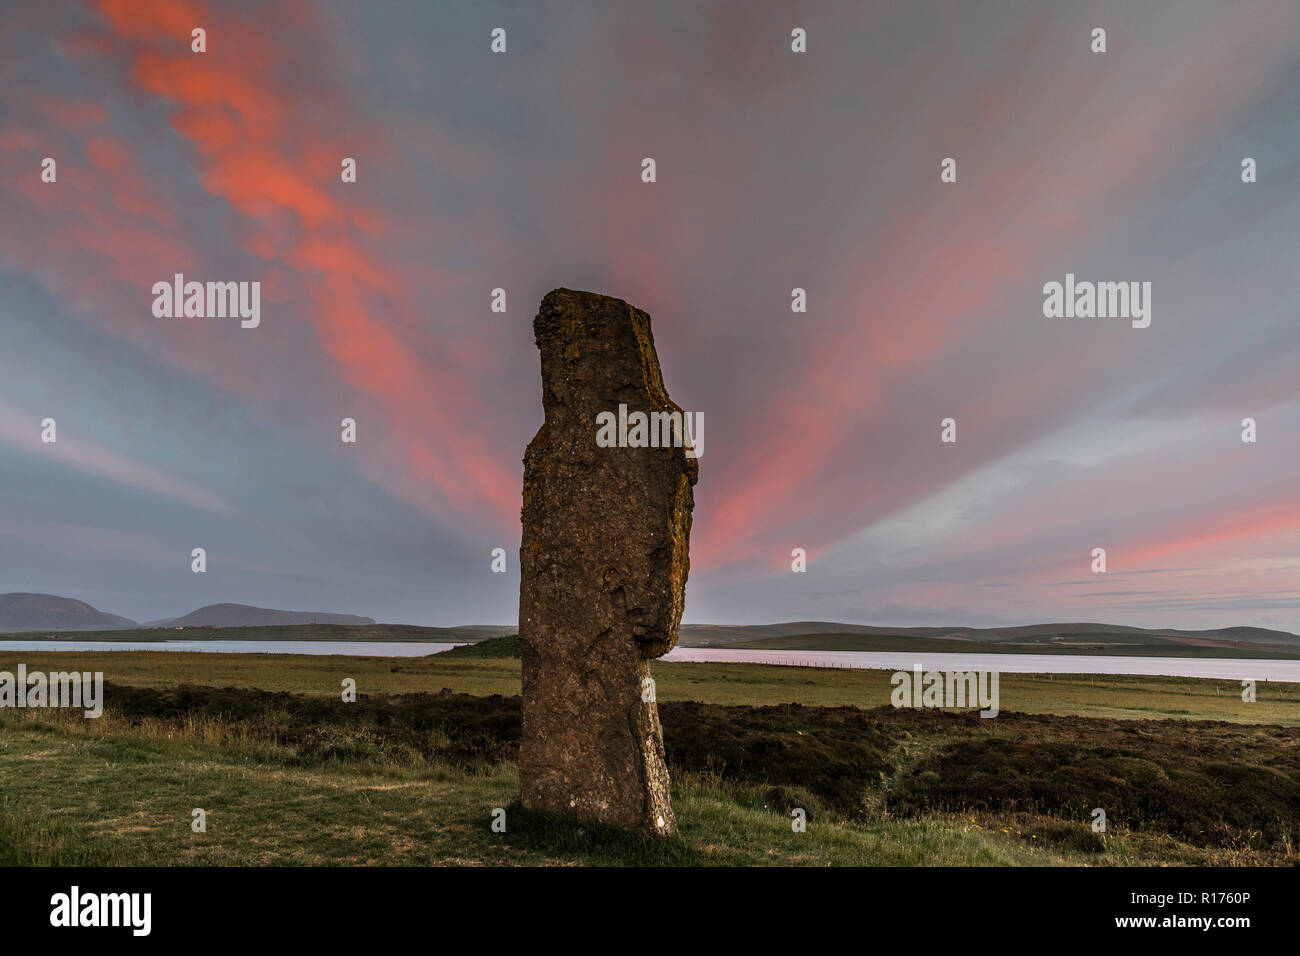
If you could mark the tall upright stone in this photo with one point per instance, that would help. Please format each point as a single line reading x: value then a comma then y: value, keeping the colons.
x: 604, y: 560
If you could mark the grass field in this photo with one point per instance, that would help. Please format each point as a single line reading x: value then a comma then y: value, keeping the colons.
x: 411, y: 773
x: 757, y: 684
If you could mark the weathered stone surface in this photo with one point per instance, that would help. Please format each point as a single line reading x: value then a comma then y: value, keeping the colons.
x: 604, y: 560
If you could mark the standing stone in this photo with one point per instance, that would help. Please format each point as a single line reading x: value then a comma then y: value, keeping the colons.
x: 603, y: 560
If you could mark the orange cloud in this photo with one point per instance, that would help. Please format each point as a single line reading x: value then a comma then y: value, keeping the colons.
x: 233, y: 106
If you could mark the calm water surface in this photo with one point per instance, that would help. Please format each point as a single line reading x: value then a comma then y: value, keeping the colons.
x: 1222, y: 668
x: 353, y: 648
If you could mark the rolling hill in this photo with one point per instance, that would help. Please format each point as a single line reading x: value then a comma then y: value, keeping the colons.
x: 1066, y: 638
x: 21, y: 611
x: 45, y: 615
x: 244, y: 615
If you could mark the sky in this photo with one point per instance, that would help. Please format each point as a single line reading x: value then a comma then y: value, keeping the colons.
x: 775, y: 170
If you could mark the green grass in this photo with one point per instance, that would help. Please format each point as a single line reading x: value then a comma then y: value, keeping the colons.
x: 404, y: 776
x: 498, y: 648
x: 106, y: 805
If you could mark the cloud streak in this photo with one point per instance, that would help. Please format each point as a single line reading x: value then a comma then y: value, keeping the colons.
x: 776, y: 170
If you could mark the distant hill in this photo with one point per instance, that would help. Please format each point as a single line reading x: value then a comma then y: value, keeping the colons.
x: 242, y: 615
x: 1062, y: 638
x: 494, y: 647
x: 41, y: 615
x: 20, y: 611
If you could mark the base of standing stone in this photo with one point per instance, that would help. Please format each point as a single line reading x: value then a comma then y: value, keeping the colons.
x: 610, y: 772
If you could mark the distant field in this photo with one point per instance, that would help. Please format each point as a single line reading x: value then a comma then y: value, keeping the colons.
x: 758, y: 684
